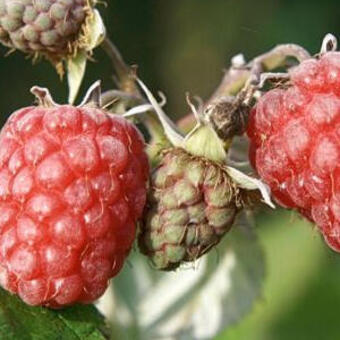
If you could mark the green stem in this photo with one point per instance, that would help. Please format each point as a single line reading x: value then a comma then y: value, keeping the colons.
x: 125, y: 81
x: 129, y: 92
x: 235, y: 78
x: 233, y: 81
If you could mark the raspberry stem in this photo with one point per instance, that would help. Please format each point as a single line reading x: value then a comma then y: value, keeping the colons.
x: 130, y: 96
x: 237, y: 75
x: 125, y: 80
x: 240, y: 77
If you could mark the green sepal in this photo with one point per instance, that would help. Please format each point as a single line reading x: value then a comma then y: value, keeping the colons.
x: 76, y: 67
x: 204, y: 142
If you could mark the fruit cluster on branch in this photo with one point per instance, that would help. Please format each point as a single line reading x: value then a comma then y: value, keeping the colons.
x: 74, y: 180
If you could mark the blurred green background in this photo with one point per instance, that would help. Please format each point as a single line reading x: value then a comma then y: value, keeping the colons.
x: 183, y: 45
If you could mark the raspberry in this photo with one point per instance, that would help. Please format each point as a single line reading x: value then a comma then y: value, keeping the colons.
x: 51, y: 28
x: 192, y: 204
x: 72, y: 185
x: 295, y: 143
x: 194, y: 196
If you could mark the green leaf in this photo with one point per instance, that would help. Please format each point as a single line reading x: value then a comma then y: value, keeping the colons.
x: 76, y: 67
x: 22, y: 322
x: 195, y: 302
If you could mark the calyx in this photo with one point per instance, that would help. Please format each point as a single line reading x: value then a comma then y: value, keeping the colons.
x: 204, y: 142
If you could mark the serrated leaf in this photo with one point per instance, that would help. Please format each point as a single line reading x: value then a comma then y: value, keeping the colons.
x: 95, y: 31
x: 195, y: 302
x: 76, y: 67
x: 19, y: 321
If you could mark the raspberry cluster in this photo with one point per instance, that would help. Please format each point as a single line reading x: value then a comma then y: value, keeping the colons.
x: 72, y: 185
x: 295, y: 143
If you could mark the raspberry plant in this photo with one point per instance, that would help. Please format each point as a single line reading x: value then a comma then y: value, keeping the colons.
x: 75, y: 183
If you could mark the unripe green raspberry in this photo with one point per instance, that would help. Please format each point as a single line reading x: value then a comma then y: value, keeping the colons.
x: 192, y: 203
x: 194, y: 195
x: 52, y: 28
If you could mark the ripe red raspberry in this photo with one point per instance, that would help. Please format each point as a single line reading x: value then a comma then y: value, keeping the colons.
x: 295, y: 143
x: 72, y: 185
